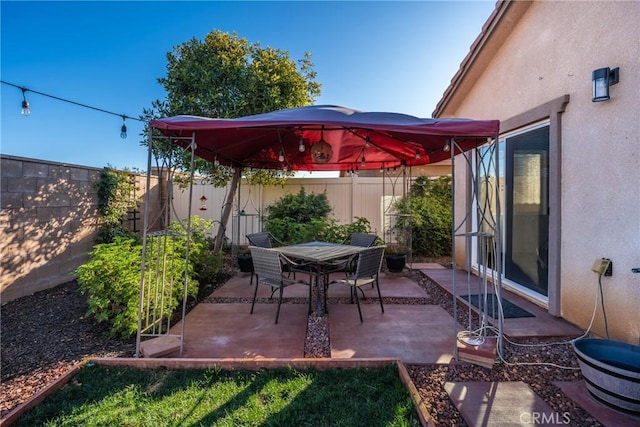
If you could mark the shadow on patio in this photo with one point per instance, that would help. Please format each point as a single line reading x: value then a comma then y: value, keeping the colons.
x: 413, y: 328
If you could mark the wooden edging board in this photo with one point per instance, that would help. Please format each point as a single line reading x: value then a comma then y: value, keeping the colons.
x: 229, y: 364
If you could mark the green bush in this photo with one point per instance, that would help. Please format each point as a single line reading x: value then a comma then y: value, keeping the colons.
x: 111, y: 277
x: 108, y: 233
x: 429, y: 206
x: 300, y: 207
x: 302, y: 217
x: 206, y: 263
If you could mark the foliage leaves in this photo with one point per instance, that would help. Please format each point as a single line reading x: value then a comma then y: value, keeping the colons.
x: 302, y: 217
x: 111, y: 277
x: 429, y: 206
x: 226, y: 76
x: 116, y: 195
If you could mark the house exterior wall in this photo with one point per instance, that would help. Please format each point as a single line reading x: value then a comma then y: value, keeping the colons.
x: 48, y: 221
x: 550, y: 52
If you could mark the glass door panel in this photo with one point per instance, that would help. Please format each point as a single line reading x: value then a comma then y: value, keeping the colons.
x: 527, y: 209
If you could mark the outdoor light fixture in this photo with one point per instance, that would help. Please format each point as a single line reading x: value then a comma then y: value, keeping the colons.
x: 417, y: 154
x: 25, y: 104
x: 321, y: 152
x: 203, y: 203
x: 123, y: 129
x: 363, y: 162
x: 301, y: 146
x: 216, y: 162
x: 281, y: 156
x: 447, y: 146
x: 602, y: 79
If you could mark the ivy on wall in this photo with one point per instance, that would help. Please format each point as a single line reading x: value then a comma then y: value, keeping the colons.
x: 116, y: 195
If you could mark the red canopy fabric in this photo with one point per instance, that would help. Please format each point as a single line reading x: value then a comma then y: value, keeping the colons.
x: 358, y: 140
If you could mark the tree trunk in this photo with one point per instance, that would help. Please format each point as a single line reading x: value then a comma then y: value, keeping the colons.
x: 226, y: 212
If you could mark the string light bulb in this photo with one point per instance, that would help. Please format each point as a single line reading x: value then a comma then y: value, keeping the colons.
x: 281, y: 156
x: 25, y: 104
x: 216, y: 162
x: 123, y: 129
x: 301, y: 146
x: 447, y: 147
x: 363, y: 162
x: 418, y: 154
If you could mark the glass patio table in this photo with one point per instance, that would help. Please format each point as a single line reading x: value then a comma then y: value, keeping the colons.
x: 318, y: 255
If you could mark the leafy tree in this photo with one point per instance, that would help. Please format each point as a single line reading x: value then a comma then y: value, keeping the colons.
x: 226, y: 76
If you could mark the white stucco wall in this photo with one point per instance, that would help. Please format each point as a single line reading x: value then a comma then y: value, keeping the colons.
x: 552, y: 51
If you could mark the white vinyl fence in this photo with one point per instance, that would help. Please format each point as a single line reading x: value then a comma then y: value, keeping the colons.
x: 349, y: 197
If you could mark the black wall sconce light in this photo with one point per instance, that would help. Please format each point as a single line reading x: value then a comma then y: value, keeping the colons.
x: 602, y: 79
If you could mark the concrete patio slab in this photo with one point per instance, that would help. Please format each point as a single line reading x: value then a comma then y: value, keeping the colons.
x: 501, y: 404
x: 391, y: 286
x: 577, y: 391
x: 230, y: 331
x: 412, y: 333
x: 239, y: 287
x: 542, y: 325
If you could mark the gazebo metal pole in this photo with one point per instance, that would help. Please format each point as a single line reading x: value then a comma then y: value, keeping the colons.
x: 498, y: 239
x: 144, y: 240
x: 186, y: 269
x: 238, y: 219
x: 453, y: 253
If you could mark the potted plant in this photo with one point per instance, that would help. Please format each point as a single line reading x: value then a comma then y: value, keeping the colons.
x: 245, y: 263
x: 395, y: 257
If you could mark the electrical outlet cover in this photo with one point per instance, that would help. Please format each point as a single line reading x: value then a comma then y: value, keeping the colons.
x: 600, y: 266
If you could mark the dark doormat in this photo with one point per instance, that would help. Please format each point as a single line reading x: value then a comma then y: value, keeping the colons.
x: 511, y: 311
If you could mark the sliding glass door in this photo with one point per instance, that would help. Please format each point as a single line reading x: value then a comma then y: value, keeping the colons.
x: 524, y: 205
x: 527, y: 210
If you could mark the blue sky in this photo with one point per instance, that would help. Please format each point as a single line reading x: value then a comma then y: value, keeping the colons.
x: 371, y: 56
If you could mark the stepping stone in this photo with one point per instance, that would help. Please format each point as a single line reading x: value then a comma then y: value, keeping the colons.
x: 160, y: 347
x: 481, y: 352
x: 502, y: 404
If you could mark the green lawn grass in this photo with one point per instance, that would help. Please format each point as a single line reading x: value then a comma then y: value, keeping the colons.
x: 120, y: 396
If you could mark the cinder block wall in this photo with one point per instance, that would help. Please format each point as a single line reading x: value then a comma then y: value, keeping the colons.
x: 48, y: 220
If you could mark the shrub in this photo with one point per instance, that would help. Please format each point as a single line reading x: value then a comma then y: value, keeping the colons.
x: 300, y: 207
x: 302, y: 217
x: 206, y: 263
x: 111, y: 277
x: 429, y: 206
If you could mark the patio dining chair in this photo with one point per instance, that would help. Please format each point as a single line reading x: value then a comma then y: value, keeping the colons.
x: 267, y: 264
x: 365, y: 240
x: 367, y: 270
x: 264, y: 239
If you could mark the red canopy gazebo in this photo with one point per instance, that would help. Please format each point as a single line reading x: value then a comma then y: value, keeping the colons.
x: 325, y: 138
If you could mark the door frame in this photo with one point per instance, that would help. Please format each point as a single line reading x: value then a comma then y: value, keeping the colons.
x: 551, y: 111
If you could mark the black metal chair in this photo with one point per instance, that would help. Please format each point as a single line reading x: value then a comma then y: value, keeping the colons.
x: 267, y: 264
x: 264, y: 239
x: 367, y: 270
x: 365, y: 240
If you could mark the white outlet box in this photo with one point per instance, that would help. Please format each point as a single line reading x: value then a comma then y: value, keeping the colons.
x: 600, y: 265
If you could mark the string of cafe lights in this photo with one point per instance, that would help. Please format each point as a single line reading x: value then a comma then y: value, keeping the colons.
x: 26, y: 107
